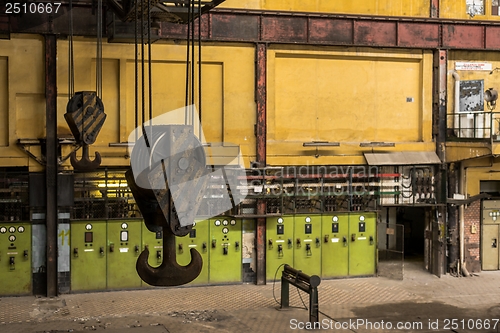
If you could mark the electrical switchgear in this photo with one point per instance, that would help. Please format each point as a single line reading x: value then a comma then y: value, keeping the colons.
x: 154, y: 242
x: 362, y: 243
x: 279, y: 245
x: 225, y: 250
x: 198, y: 239
x: 307, y: 244
x: 335, y: 248
x: 123, y: 248
x: 15, y: 259
x: 88, y: 255
x: 490, y: 230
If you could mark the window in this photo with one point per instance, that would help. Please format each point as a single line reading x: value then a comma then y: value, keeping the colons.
x: 494, y: 7
x: 475, y: 7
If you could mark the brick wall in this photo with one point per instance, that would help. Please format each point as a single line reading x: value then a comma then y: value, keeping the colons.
x: 472, y: 218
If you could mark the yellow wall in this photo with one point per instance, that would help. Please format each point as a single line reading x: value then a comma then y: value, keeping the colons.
x: 22, y: 96
x: 228, y: 93
x: 485, y: 169
x: 419, y: 8
x: 347, y: 95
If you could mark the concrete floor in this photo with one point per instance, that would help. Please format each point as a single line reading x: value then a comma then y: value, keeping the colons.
x: 421, y: 301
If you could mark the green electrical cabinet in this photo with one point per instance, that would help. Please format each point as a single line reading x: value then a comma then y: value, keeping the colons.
x: 123, y: 248
x: 197, y: 239
x: 335, y: 249
x: 490, y: 235
x: 362, y: 243
x: 279, y: 248
x: 88, y: 255
x: 154, y: 242
x: 307, y: 244
x: 15, y: 258
x: 225, y: 250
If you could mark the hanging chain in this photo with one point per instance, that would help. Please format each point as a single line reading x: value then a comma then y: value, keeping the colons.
x: 71, y: 63
x: 99, y: 50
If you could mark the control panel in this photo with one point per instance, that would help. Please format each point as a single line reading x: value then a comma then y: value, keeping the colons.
x: 279, y: 245
x: 15, y: 259
x: 225, y: 250
x: 307, y: 244
x: 123, y: 248
x: 88, y: 255
x: 198, y: 239
x: 335, y: 249
x: 362, y: 243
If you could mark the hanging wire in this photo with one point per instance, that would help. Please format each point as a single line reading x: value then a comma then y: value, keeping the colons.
x: 99, y: 50
x: 199, y: 68
x: 193, y: 43
x: 188, y: 43
x: 150, y: 76
x: 71, y: 63
x: 136, y: 73
x: 143, y: 98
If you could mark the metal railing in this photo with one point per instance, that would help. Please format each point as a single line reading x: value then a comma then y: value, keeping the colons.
x: 473, y: 125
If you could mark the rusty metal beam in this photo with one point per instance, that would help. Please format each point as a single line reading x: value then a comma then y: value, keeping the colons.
x: 261, y: 131
x: 297, y: 28
x: 51, y: 156
x: 434, y: 10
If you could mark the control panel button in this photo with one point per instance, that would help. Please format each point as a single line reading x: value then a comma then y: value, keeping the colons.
x: 335, y: 218
x: 225, y: 230
x: 280, y: 220
x: 217, y: 223
x: 225, y: 222
x: 20, y: 229
x: 124, y: 225
x: 88, y: 226
x: 12, y: 230
x: 3, y: 230
x: 361, y: 218
x: 12, y: 238
x: 308, y: 219
x: 233, y: 222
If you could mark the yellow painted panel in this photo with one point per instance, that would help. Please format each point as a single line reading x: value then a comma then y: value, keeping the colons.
x: 4, y: 102
x: 346, y: 99
x: 212, y: 117
x: 30, y: 116
x: 110, y: 131
x: 419, y: 8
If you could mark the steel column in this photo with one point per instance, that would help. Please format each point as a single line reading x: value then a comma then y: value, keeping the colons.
x: 51, y: 165
x: 261, y: 130
x: 434, y: 8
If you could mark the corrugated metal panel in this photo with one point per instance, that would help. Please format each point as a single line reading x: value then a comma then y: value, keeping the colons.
x: 402, y: 158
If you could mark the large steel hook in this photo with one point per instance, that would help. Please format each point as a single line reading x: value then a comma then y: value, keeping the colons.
x: 85, y: 164
x: 169, y: 273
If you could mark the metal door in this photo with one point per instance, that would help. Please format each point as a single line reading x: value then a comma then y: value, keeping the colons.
x: 123, y: 248
x: 197, y: 239
x: 88, y: 255
x: 390, y: 250
x: 307, y: 247
x: 489, y: 246
x: 15, y: 259
x: 279, y: 249
x: 335, y: 249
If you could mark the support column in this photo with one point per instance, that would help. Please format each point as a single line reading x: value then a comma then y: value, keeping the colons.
x: 51, y: 165
x: 261, y: 131
x: 438, y: 253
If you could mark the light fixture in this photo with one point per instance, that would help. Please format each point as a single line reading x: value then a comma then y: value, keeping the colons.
x: 377, y: 144
x: 112, y: 185
x: 491, y: 96
x: 321, y: 144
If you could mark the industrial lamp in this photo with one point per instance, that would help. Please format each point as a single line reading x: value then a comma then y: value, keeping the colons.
x: 491, y: 96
